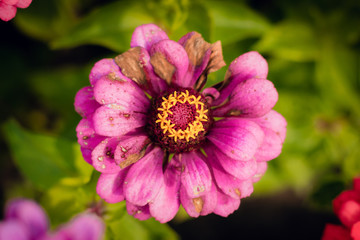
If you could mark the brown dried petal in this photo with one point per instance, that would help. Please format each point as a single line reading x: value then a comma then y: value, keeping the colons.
x: 198, y: 204
x: 196, y: 47
x: 130, y: 65
x: 162, y: 67
x: 216, y: 58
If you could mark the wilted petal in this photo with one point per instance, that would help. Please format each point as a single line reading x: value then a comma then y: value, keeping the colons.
x: 14, y: 230
x: 147, y: 35
x: 226, y: 205
x: 85, y: 103
x: 113, y: 122
x: 170, y: 62
x: 145, y: 178
x: 131, y: 148
x: 121, y: 94
x: 105, y: 67
x: 103, y: 156
x: 237, y: 138
x: 7, y: 12
x: 30, y: 214
x: 167, y: 202
x: 250, y: 98
x: 110, y: 186
x: 248, y: 65
x: 195, y: 176
x: 87, y: 138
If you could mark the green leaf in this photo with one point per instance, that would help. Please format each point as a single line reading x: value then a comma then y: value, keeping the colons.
x: 110, y: 26
x: 290, y: 39
x: 45, y: 160
x: 233, y: 21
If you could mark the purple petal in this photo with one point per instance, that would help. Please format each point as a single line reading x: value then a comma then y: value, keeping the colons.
x: 250, y: 98
x: 103, y: 156
x: 261, y: 169
x: 210, y: 94
x: 29, y: 213
x: 237, y: 138
x: 145, y: 178
x: 110, y: 186
x: 131, y: 148
x: 240, y: 169
x: 87, y: 138
x: 86, y: 153
x: 124, y: 95
x: 105, y: 67
x: 112, y: 122
x: 167, y: 202
x: 82, y: 227
x: 202, y: 205
x: 14, y: 230
x: 7, y: 12
x: 139, y: 212
x: 85, y: 104
x: 147, y: 35
x: 170, y: 62
x: 195, y: 176
x: 248, y: 65
x: 226, y: 205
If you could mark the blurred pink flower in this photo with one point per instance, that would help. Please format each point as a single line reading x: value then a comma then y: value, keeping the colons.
x: 8, y: 8
x: 25, y: 220
x: 347, y: 208
x: 159, y: 141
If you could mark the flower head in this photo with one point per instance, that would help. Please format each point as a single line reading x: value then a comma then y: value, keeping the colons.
x: 159, y: 140
x: 25, y: 220
x: 347, y: 208
x: 8, y: 8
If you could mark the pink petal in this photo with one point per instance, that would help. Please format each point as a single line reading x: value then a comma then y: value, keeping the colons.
x: 7, y: 12
x: 270, y: 148
x: 86, y: 153
x: 110, y: 186
x: 82, y: 227
x: 240, y: 169
x: 85, y: 103
x: 355, y: 231
x: 248, y: 65
x: 122, y: 94
x: 30, y: 214
x: 195, y: 176
x: 357, y: 184
x: 349, y: 213
x: 335, y: 232
x: 23, y: 3
x: 273, y: 121
x: 111, y: 121
x: 103, y: 156
x: 250, y: 98
x: 210, y: 94
x: 261, y: 169
x: 105, y: 67
x: 147, y: 35
x: 175, y: 55
x: 226, y: 205
x: 14, y: 229
x: 144, y: 179
x: 10, y: 2
x: 202, y: 205
x: 139, y: 212
x: 87, y: 138
x: 131, y: 148
x: 167, y: 202
x: 237, y: 138
x: 343, y: 197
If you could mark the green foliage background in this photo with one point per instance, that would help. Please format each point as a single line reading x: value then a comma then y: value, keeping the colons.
x: 313, y: 51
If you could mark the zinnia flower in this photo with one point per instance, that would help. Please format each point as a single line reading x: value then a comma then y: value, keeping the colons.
x: 8, y: 8
x: 25, y: 220
x: 159, y: 141
x: 347, y: 208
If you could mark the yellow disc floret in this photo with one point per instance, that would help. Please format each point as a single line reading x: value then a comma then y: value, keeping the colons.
x: 193, y: 128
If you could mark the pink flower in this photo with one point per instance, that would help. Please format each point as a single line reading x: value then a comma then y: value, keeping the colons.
x: 8, y: 8
x: 160, y: 142
x: 25, y: 220
x: 347, y: 208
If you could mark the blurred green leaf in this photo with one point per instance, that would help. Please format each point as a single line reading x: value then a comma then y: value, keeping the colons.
x: 110, y: 26
x: 290, y: 39
x: 232, y: 21
x: 45, y: 160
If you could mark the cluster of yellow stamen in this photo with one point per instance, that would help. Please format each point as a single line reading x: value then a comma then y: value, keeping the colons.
x: 193, y: 128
